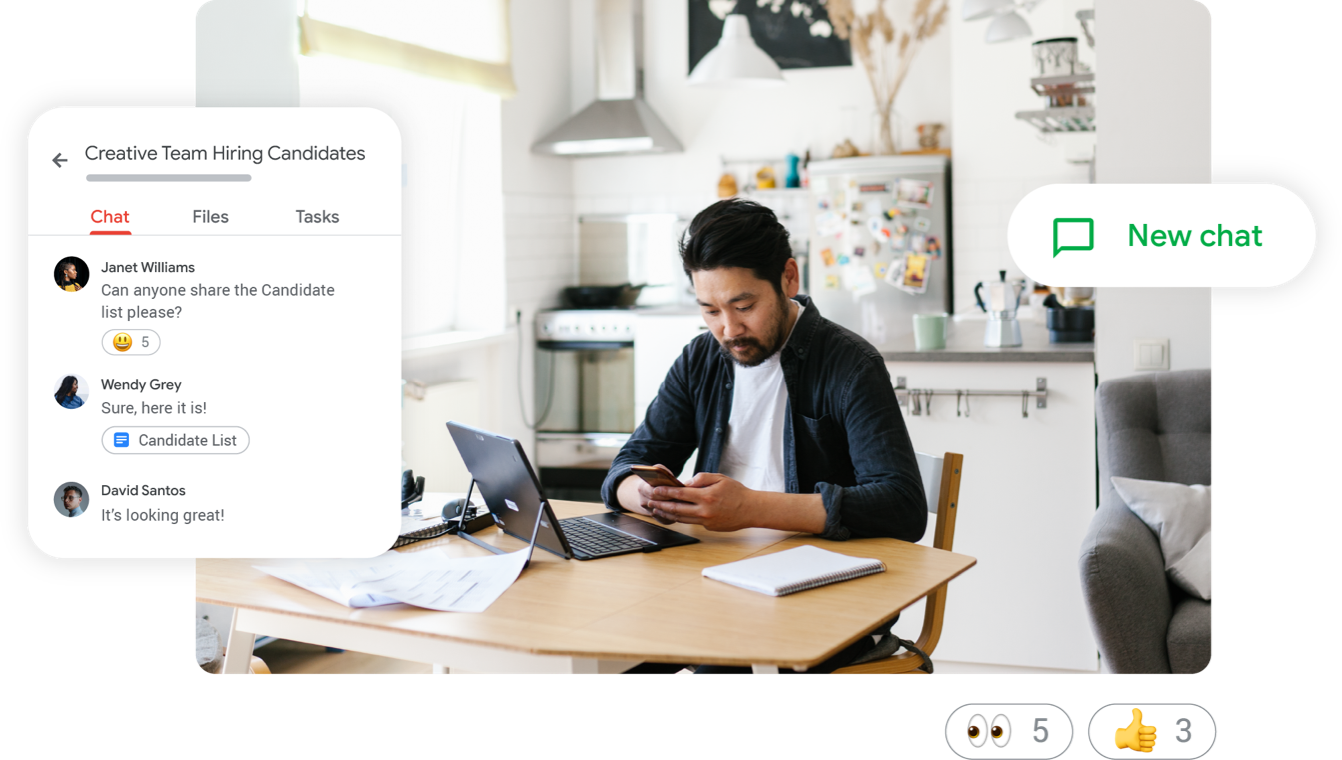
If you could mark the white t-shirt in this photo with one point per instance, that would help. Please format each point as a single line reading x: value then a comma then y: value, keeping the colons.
x: 754, y: 452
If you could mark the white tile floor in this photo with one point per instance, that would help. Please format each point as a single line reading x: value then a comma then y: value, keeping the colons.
x: 974, y: 668
x: 962, y: 668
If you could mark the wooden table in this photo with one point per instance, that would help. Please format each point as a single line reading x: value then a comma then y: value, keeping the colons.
x: 598, y: 616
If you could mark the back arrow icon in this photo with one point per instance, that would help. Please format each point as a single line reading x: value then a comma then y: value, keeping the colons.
x: 58, y: 160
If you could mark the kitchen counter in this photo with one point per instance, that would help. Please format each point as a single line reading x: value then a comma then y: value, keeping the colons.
x: 964, y: 343
x: 669, y: 310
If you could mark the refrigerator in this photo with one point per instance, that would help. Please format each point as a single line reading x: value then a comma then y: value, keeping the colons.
x: 880, y: 244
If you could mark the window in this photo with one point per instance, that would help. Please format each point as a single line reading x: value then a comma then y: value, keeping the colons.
x: 452, y: 202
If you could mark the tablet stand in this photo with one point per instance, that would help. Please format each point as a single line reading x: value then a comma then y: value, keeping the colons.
x: 535, y: 530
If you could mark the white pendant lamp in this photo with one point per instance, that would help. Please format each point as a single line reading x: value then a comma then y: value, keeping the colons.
x: 1007, y: 23
x: 736, y: 61
x: 977, y: 9
x: 1007, y: 26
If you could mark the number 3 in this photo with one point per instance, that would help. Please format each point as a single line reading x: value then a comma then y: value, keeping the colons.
x: 1038, y: 728
x: 1185, y: 724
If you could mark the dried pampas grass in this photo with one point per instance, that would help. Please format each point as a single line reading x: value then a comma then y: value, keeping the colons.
x: 886, y: 52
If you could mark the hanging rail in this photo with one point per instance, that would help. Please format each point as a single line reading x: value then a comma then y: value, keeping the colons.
x: 918, y: 399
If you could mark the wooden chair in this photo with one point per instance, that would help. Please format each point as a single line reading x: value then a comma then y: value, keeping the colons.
x: 941, y: 482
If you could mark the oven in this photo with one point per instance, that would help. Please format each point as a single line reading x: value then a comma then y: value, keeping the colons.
x: 584, y: 397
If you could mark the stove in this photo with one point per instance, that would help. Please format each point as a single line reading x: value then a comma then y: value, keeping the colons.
x: 584, y: 395
x: 585, y: 326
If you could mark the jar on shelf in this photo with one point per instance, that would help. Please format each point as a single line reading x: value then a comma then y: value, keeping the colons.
x: 1055, y: 57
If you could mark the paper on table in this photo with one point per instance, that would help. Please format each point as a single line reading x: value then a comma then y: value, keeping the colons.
x: 425, y: 579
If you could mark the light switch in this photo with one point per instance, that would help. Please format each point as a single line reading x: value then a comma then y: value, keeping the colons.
x: 1151, y: 354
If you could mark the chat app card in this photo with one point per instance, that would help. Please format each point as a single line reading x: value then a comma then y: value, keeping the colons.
x: 214, y: 308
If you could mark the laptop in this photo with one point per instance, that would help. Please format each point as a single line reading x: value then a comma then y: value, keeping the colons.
x: 515, y: 499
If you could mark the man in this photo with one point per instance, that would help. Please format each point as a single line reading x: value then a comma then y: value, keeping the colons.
x: 795, y: 418
x: 70, y: 276
x: 73, y: 502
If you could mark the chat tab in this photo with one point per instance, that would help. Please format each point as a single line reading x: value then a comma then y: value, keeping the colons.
x: 214, y: 319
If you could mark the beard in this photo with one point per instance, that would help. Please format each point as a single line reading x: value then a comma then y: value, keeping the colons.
x: 757, y: 350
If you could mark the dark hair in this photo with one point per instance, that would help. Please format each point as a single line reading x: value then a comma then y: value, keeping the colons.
x: 67, y: 388
x: 76, y: 489
x: 62, y: 265
x: 737, y: 233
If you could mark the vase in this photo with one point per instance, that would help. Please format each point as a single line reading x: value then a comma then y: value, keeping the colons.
x: 885, y: 128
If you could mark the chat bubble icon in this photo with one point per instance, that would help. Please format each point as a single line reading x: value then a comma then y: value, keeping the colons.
x: 1073, y: 234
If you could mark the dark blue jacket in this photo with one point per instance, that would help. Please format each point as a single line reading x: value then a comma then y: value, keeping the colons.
x: 844, y: 437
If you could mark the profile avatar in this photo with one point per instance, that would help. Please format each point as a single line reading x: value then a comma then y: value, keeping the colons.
x: 70, y: 500
x: 72, y: 274
x: 68, y: 394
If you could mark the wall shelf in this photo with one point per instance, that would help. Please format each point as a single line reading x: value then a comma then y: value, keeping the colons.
x: 1068, y: 109
x: 1067, y: 119
x: 1079, y: 84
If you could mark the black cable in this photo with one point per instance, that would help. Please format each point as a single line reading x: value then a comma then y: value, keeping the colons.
x: 549, y: 386
x: 890, y: 644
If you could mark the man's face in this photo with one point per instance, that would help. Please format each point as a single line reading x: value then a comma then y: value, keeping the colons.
x: 747, y: 315
x: 72, y: 500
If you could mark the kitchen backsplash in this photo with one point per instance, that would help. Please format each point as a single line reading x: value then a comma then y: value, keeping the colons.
x: 540, y: 235
x: 980, y: 211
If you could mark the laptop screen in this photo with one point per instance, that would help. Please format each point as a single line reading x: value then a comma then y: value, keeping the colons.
x: 508, y: 484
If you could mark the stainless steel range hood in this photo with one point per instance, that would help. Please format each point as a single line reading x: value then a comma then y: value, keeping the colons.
x: 618, y: 122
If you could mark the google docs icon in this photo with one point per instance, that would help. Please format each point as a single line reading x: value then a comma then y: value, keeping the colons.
x: 121, y: 440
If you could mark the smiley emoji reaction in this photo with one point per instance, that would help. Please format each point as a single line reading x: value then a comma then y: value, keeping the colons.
x: 121, y: 341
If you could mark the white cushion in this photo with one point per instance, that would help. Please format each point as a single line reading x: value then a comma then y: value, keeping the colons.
x: 1182, y: 517
x: 1193, y: 573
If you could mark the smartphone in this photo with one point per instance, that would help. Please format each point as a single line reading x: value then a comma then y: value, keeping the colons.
x: 656, y: 476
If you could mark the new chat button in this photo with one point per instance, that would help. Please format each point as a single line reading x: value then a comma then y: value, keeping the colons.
x: 1161, y: 235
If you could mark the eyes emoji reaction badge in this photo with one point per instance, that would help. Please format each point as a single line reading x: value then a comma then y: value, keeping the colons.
x: 121, y: 341
x: 980, y: 731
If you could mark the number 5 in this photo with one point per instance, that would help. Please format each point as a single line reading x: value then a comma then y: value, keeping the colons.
x: 1038, y: 728
x: 145, y: 341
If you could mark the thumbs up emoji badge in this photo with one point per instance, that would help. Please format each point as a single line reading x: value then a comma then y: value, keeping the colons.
x: 1136, y: 737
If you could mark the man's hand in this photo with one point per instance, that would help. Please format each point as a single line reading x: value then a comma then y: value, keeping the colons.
x: 635, y: 494
x: 714, y: 501
x: 1136, y: 736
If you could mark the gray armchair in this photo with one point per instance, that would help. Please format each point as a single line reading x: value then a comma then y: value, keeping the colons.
x: 1152, y: 427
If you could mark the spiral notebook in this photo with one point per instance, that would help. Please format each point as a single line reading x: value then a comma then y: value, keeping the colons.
x: 794, y: 570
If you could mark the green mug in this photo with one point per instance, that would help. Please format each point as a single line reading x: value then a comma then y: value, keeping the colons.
x: 929, y: 331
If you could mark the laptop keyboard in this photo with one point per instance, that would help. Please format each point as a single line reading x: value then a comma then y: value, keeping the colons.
x: 592, y: 538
